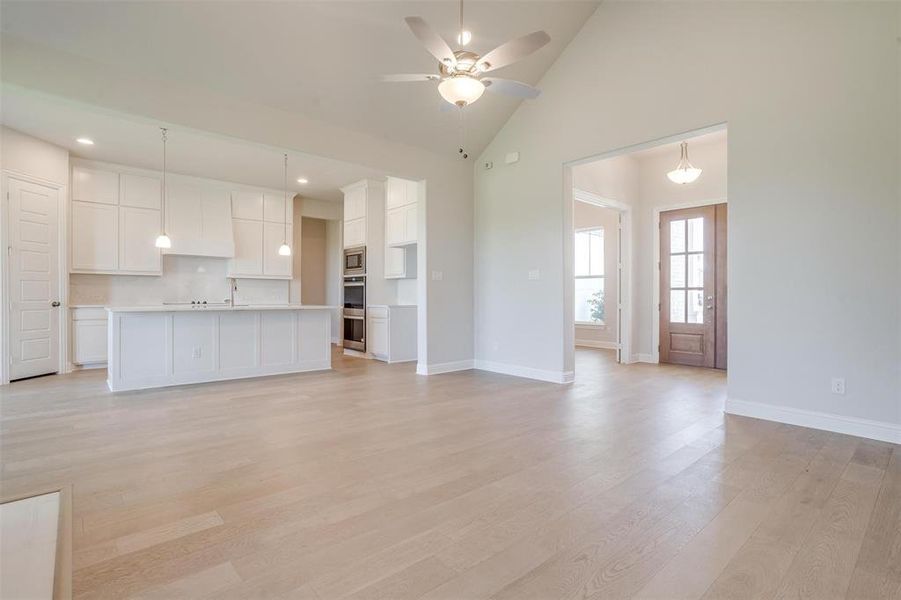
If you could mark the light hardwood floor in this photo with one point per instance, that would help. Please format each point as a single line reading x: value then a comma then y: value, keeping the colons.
x: 372, y: 482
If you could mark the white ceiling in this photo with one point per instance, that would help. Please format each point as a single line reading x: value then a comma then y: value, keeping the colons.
x: 320, y: 59
x: 126, y: 140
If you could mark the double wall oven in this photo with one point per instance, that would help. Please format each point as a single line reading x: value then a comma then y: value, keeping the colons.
x: 355, y: 298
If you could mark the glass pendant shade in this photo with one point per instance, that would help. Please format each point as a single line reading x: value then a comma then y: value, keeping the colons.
x: 684, y: 172
x: 284, y: 249
x: 163, y: 241
x: 461, y: 89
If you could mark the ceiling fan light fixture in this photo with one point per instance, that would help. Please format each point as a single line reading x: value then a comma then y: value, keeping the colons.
x: 684, y: 172
x: 461, y: 90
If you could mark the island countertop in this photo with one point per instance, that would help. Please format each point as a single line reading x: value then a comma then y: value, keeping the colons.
x: 214, y: 307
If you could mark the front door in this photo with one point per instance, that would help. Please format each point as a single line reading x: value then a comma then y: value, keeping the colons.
x: 692, y: 313
x: 33, y: 279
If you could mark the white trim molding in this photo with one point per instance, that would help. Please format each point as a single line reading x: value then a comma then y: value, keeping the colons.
x: 875, y: 430
x: 526, y: 372
x: 439, y: 368
x: 597, y: 344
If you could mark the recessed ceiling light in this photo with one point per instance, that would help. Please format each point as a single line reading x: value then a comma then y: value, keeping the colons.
x: 85, y: 141
x: 303, y: 180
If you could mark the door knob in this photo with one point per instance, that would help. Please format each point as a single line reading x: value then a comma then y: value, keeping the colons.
x: 55, y: 303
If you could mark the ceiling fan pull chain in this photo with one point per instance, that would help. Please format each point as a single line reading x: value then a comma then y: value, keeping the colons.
x: 462, y: 150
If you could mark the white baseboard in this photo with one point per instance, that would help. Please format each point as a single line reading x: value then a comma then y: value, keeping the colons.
x: 875, y: 430
x: 527, y: 372
x: 448, y: 367
x: 596, y: 344
x: 643, y: 358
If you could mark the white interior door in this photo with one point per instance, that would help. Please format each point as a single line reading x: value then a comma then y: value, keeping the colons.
x: 33, y: 279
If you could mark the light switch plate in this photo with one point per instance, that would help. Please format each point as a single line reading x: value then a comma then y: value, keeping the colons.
x: 534, y: 275
x: 437, y: 275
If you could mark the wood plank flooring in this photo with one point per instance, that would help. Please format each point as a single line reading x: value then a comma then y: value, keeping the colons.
x: 369, y: 481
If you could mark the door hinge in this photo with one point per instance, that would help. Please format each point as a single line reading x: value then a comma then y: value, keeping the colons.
x: 658, y: 306
x: 658, y: 347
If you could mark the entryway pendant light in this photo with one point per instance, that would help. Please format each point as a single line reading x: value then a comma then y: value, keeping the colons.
x: 684, y: 171
x: 285, y: 249
x: 162, y: 240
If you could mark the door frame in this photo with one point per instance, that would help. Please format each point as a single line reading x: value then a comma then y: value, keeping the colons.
x: 655, y: 267
x: 624, y: 272
x: 63, y: 262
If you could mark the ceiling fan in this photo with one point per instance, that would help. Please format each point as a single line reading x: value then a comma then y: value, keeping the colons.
x: 461, y: 73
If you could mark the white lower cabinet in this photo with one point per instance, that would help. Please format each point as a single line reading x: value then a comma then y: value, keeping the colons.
x: 89, y: 336
x: 391, y: 332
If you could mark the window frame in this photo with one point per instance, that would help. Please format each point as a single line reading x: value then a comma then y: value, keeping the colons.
x: 602, y: 323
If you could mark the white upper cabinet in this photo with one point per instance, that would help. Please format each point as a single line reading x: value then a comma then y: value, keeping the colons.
x: 248, y: 260
x: 95, y: 237
x: 199, y: 219
x: 274, y: 208
x: 138, y: 228
x: 355, y: 202
x: 400, y: 192
x: 139, y: 191
x: 275, y: 265
x: 95, y: 185
x: 247, y: 205
x: 355, y: 233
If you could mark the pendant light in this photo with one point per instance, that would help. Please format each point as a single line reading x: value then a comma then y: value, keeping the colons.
x: 162, y: 240
x: 285, y: 249
x: 684, y: 171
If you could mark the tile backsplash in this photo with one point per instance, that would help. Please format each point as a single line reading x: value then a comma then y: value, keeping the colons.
x: 184, y: 278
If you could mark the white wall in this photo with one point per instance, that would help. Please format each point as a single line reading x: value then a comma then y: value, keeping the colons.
x: 24, y: 154
x: 334, y: 274
x: 810, y: 93
x: 588, y: 215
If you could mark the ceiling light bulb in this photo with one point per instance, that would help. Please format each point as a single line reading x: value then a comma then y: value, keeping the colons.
x: 461, y: 89
x: 85, y: 141
x: 464, y: 37
x: 163, y: 241
x: 284, y: 249
x: 303, y: 180
x: 684, y: 172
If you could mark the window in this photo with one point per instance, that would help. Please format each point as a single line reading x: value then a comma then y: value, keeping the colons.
x: 686, y: 271
x: 589, y: 270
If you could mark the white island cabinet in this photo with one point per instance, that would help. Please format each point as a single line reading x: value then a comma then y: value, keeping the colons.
x: 157, y: 346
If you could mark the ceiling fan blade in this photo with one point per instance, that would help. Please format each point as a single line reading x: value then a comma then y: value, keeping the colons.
x: 409, y: 77
x: 513, y: 51
x: 510, y: 87
x: 433, y: 42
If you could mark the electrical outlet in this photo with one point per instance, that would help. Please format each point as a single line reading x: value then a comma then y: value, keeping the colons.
x: 838, y: 385
x: 196, y: 352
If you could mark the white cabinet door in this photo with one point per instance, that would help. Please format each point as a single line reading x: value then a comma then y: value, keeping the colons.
x: 138, y: 228
x: 94, y: 185
x: 274, y: 265
x: 248, y: 258
x: 247, y: 205
x: 355, y: 204
x: 410, y: 223
x: 355, y: 233
x: 395, y: 226
x: 95, y: 237
x: 395, y: 262
x: 90, y: 341
x: 377, y: 337
x: 395, y: 193
x: 139, y: 191
x: 274, y: 208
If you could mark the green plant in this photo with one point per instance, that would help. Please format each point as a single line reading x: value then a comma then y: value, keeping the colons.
x: 596, y: 302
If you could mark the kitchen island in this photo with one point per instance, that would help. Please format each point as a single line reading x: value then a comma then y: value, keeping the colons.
x: 157, y: 346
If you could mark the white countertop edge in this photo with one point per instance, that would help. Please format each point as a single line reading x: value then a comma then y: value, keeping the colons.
x: 195, y: 308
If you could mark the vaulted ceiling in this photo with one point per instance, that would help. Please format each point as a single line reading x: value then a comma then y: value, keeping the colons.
x: 319, y: 59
